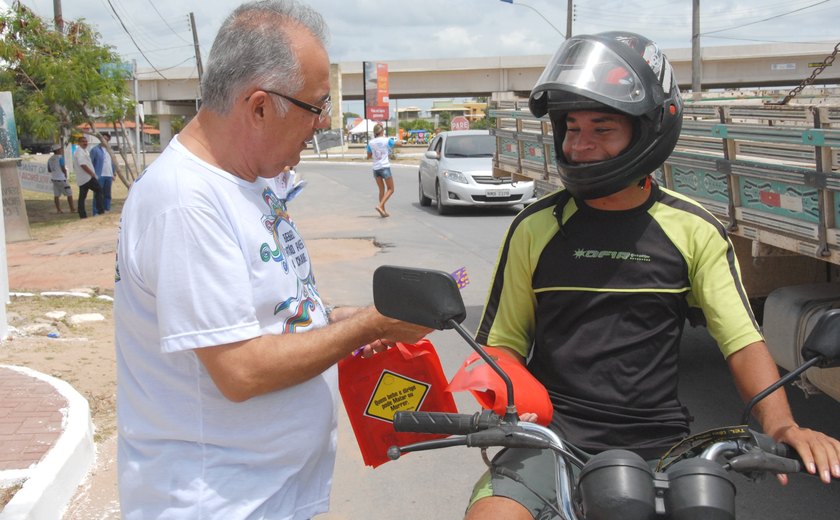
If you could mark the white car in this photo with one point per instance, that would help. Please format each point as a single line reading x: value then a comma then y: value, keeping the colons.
x: 457, y: 170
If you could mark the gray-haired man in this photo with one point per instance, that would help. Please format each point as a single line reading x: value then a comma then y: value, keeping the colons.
x: 226, y: 394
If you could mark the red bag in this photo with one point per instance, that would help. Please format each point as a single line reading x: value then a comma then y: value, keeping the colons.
x: 407, y: 377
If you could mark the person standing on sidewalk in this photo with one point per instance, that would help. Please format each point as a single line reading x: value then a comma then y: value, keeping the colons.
x: 226, y: 354
x: 104, y: 168
x: 86, y: 178
x: 379, y: 149
x: 58, y: 175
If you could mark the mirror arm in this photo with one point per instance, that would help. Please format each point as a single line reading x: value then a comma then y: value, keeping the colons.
x: 510, y: 411
x: 790, y: 376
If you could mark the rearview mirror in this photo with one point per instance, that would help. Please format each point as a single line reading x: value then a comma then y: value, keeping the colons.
x: 431, y: 154
x: 824, y: 340
x: 421, y: 296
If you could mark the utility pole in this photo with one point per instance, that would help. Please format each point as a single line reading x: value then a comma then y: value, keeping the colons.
x: 137, y: 122
x: 569, y: 10
x: 59, y: 20
x: 695, y: 50
x: 197, y: 52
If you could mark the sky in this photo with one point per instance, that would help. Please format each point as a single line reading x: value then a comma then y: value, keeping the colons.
x: 157, y: 32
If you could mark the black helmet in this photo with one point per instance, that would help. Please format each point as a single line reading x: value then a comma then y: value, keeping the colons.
x: 615, y: 72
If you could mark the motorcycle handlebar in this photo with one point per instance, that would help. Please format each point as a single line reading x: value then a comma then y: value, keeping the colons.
x: 769, y: 455
x: 445, y: 423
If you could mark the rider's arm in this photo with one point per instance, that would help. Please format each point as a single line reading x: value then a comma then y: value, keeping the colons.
x: 754, y: 370
x: 513, y: 353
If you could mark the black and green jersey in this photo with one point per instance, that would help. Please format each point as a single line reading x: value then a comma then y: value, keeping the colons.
x: 598, y: 305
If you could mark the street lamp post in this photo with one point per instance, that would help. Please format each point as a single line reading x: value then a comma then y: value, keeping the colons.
x: 568, y: 17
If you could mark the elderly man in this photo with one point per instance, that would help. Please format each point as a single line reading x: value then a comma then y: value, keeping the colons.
x: 226, y: 353
x: 86, y: 178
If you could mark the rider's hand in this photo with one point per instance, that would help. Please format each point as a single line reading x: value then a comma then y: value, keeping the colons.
x: 528, y: 417
x: 819, y: 452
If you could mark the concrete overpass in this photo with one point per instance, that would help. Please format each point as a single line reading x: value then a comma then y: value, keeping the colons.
x: 740, y: 66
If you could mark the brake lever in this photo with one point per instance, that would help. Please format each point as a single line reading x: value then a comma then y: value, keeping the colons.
x: 506, y: 435
x: 394, y: 452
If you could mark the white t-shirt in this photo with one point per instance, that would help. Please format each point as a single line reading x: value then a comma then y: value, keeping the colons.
x: 206, y: 258
x: 107, y: 165
x: 380, y: 148
x: 54, y: 168
x: 82, y: 157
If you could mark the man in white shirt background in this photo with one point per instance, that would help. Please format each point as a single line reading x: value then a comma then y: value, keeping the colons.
x: 86, y: 178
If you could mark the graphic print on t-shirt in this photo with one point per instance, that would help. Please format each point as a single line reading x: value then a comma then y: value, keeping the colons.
x: 290, y: 250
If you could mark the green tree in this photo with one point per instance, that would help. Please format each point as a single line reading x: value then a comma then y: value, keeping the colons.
x: 178, y: 123
x: 417, y: 124
x: 445, y: 120
x: 58, y: 81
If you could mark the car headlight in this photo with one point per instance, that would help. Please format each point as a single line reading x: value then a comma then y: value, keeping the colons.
x: 455, y: 176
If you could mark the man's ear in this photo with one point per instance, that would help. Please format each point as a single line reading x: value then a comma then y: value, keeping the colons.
x: 257, y: 106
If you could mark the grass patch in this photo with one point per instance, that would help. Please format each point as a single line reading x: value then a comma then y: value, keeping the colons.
x: 6, y: 494
x: 40, y: 208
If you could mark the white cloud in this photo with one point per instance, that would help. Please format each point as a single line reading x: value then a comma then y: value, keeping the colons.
x: 519, y: 43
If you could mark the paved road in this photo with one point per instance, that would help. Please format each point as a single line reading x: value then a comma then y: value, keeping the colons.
x: 419, y: 485
x: 436, y: 484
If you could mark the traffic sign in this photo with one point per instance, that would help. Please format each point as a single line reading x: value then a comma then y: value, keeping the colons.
x: 459, y: 123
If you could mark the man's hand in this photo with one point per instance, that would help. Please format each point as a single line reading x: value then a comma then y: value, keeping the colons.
x: 819, y: 452
x: 754, y: 370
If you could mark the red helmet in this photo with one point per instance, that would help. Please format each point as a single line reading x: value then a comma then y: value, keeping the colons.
x: 489, y: 390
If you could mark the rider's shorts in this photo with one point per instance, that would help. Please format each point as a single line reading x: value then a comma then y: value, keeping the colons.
x: 536, y: 467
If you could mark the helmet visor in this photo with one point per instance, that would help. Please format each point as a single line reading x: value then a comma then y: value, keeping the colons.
x: 595, y: 71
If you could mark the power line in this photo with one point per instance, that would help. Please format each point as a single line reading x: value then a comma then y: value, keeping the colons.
x: 146, y: 38
x: 134, y: 42
x: 764, y: 41
x: 765, y: 19
x: 167, y: 23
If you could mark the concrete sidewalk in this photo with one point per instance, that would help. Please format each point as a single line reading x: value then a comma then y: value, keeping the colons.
x: 46, y: 443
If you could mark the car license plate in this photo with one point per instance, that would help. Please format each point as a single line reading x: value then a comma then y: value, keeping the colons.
x: 496, y: 194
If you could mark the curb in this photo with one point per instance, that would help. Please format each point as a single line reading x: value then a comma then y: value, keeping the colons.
x: 52, y: 482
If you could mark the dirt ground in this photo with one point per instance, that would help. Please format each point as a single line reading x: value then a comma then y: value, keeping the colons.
x: 73, y: 255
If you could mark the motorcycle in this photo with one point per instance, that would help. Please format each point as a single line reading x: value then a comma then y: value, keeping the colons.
x: 692, y: 479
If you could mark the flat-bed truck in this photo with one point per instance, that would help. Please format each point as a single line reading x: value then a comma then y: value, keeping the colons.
x: 769, y: 172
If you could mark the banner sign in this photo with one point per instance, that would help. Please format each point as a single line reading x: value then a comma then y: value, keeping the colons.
x: 34, y: 177
x: 377, y: 103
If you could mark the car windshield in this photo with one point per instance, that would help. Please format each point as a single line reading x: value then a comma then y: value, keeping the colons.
x: 470, y: 146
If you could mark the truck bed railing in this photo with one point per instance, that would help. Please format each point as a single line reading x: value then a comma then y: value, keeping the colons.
x: 770, y: 172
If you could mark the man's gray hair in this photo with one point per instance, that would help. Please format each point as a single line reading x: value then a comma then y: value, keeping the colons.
x: 254, y: 47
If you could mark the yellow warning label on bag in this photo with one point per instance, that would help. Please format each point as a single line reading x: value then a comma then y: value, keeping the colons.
x: 394, y: 393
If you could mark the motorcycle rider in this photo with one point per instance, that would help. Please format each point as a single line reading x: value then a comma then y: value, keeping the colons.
x: 595, y: 282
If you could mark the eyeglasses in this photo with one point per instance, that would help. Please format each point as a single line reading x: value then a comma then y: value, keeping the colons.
x: 322, y: 112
